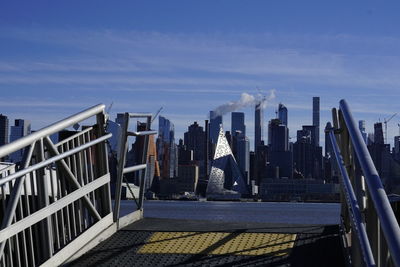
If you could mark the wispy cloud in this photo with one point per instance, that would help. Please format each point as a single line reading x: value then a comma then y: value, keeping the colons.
x: 156, y: 54
x: 179, y: 71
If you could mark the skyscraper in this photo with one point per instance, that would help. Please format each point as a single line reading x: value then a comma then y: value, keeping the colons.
x: 361, y: 126
x: 194, y: 140
x: 378, y: 133
x: 3, y: 130
x: 166, y: 148
x: 237, y: 123
x: 283, y: 114
x: 313, y: 132
x: 165, y: 129
x: 279, y: 157
x: 243, y: 155
x: 258, y: 124
x: 316, y: 118
x: 215, y: 122
x: 307, y: 157
x: 20, y: 129
x: 278, y: 136
x: 241, y: 144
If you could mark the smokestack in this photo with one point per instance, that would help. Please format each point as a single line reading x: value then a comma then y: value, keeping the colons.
x: 206, y: 149
x: 245, y: 100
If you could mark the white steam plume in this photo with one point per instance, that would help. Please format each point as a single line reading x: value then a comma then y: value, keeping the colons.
x: 245, y: 101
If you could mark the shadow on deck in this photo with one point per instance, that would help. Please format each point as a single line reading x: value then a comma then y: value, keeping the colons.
x: 169, y: 242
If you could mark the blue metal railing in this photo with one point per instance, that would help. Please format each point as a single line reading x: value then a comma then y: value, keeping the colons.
x: 352, y: 142
x: 354, y: 207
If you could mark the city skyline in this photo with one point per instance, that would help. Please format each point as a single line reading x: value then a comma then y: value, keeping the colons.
x: 191, y: 58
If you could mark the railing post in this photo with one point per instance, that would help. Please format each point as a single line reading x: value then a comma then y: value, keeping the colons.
x: 121, y: 157
x: 46, y: 228
x: 102, y: 164
x: 144, y: 160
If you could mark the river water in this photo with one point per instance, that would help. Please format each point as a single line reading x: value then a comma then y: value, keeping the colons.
x: 266, y: 212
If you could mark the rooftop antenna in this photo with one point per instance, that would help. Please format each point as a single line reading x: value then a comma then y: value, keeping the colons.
x: 385, y: 122
x: 399, y: 128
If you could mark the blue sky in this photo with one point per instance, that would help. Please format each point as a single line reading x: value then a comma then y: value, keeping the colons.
x: 59, y: 57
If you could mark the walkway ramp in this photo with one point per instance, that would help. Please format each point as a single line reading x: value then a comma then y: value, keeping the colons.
x: 172, y: 242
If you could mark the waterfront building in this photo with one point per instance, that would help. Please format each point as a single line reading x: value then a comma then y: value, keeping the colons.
x: 298, y: 190
x: 188, y: 177
x: 225, y: 176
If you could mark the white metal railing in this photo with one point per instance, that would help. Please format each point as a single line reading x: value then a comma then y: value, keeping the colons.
x: 143, y: 161
x: 57, y: 193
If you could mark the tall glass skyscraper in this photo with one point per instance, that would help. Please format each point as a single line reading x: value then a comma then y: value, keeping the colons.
x: 258, y: 124
x: 283, y: 114
x: 165, y: 129
x: 237, y: 123
x: 166, y: 148
x: 215, y: 122
x: 316, y: 118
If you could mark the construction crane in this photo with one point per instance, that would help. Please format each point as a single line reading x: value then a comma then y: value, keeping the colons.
x: 386, y: 122
x: 158, y: 112
x: 109, y: 107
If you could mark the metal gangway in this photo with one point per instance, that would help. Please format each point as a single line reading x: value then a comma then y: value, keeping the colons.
x: 56, y: 204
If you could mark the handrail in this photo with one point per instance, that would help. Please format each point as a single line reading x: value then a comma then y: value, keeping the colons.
x: 80, y: 133
x: 75, y: 196
x: 389, y: 225
x: 354, y: 207
x: 49, y: 130
x: 47, y: 162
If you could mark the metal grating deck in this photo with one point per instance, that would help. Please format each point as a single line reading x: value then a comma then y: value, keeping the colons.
x: 261, y: 245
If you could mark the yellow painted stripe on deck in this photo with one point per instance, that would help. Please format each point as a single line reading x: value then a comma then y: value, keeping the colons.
x: 218, y: 243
